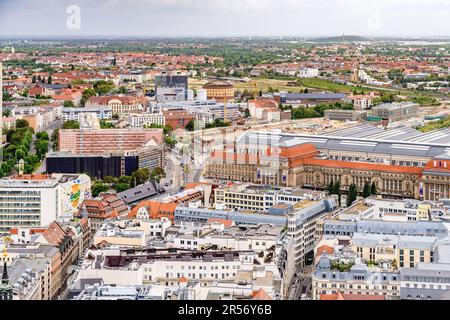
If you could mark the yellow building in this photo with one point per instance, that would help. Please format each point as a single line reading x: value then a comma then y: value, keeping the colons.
x: 219, y: 90
x: 407, y: 251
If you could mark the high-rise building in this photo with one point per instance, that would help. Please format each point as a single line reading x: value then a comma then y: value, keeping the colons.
x: 38, y: 199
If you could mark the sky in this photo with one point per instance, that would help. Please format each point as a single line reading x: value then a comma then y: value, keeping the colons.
x: 212, y: 18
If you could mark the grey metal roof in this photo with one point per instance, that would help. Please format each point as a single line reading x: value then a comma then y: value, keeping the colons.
x: 142, y: 191
x: 384, y: 144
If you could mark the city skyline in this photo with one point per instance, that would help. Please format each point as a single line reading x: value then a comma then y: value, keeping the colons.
x: 201, y: 18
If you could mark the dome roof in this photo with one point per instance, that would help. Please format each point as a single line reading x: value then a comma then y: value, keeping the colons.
x: 217, y: 83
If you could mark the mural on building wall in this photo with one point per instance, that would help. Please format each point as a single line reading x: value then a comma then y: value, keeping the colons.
x: 74, y: 193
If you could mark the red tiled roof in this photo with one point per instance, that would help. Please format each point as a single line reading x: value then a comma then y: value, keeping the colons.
x: 54, y: 234
x: 324, y: 248
x: 343, y: 296
x: 226, y: 222
x: 154, y: 207
x: 260, y: 295
x: 361, y: 166
x: 106, y: 99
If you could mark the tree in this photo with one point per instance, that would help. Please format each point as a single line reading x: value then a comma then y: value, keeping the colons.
x: 122, y: 90
x: 167, y: 129
x: 190, y: 125
x: 157, y: 174
x: 42, y: 135
x: 337, y: 188
x: 103, y: 87
x: 125, y: 179
x: 41, y: 147
x: 98, y: 187
x: 33, y: 79
x: 7, y: 96
x: 171, y: 142
x: 373, y: 189
x: 331, y: 187
x: 119, y: 187
x: 110, y: 179
x: 71, y: 124
x: 6, y: 113
x: 352, y: 194
x: 140, y: 176
x: 50, y: 80
x: 68, y: 104
x: 21, y: 123
x: 367, y: 189
x: 87, y: 93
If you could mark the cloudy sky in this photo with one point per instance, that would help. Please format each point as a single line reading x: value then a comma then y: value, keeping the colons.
x: 224, y: 17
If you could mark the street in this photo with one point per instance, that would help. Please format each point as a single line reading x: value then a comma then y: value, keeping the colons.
x: 54, y: 125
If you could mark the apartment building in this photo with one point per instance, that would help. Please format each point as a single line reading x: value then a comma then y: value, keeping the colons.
x: 39, y: 117
x: 143, y: 119
x: 406, y: 250
x: 426, y: 281
x: 56, y: 244
x: 29, y: 277
x: 259, y: 198
x: 348, y: 227
x: 388, y: 210
x: 103, y: 112
x: 102, y: 208
x: 214, y: 234
x: 361, y: 102
x: 177, y: 119
x: 166, y: 267
x: 359, y: 279
x: 112, y: 234
x: 199, y: 214
x: 302, y: 224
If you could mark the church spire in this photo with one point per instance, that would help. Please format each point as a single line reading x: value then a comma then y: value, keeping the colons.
x: 5, y: 284
x: 5, y: 278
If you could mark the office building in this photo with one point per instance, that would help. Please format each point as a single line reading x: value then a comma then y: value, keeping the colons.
x: 37, y: 200
x: 106, y: 141
x: 395, y: 111
x: 171, y: 86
